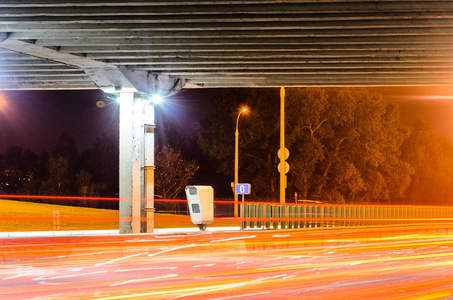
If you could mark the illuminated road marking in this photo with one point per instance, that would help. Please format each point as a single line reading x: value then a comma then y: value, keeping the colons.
x: 119, y: 259
x: 235, y: 285
x: 241, y: 296
x: 69, y: 276
x: 144, y: 279
x: 334, y: 264
x: 146, y: 269
x: 18, y: 275
x: 207, y: 265
x: 307, y: 266
x: 194, y: 291
x: 234, y: 239
x: 173, y: 249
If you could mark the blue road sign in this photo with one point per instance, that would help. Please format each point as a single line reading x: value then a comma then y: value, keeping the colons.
x: 242, y: 188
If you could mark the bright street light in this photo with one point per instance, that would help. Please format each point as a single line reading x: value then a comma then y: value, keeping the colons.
x: 157, y: 99
x: 236, y: 164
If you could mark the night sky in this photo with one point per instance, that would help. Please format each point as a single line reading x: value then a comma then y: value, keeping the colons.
x: 34, y: 119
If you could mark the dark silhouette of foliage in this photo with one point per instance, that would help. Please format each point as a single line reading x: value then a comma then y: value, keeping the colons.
x: 431, y: 157
x: 344, y: 143
x: 173, y: 172
x: 101, y: 161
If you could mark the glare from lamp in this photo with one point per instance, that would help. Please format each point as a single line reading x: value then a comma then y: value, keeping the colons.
x: 244, y: 109
x: 157, y: 99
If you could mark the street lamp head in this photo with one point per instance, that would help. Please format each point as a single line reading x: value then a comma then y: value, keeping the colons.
x: 157, y: 99
x: 244, y: 109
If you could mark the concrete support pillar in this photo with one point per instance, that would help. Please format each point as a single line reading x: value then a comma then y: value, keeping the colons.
x: 149, y: 166
x: 126, y: 102
x: 136, y: 163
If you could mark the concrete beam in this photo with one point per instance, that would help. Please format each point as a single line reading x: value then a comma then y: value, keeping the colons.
x: 209, y: 25
x: 47, y: 85
x: 232, y: 57
x: 43, y: 68
x: 24, y: 48
x: 104, y: 75
x: 226, y: 7
x: 144, y: 81
x: 255, y: 48
x: 277, y: 60
x: 302, y: 66
x: 143, y: 38
x: 320, y: 17
x: 135, y: 31
x: 88, y: 3
x: 334, y: 82
x: 53, y: 78
x: 3, y: 36
x: 317, y: 72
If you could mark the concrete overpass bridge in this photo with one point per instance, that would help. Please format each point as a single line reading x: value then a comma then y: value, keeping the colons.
x: 57, y: 44
x: 136, y: 48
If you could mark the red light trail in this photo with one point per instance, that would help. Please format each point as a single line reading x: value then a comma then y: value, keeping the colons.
x: 381, y: 262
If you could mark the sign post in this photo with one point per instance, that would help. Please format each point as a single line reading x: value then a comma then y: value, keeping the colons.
x: 282, y: 145
x: 242, y: 189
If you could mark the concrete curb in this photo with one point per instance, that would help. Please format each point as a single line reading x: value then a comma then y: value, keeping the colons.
x: 33, y: 234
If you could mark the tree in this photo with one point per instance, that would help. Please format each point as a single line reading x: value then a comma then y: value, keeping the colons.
x: 169, y: 133
x: 431, y: 157
x: 258, y: 137
x: 344, y: 143
x: 17, y: 166
x: 351, y: 143
x: 84, y: 185
x: 58, y: 182
x: 102, y: 162
x: 65, y: 149
x: 39, y: 174
x: 173, y: 172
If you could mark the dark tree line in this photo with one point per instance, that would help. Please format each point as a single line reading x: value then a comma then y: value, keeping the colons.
x: 94, y: 172
x: 64, y: 171
x: 346, y: 146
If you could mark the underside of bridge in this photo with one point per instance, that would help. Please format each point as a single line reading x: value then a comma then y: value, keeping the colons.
x: 137, y: 47
x: 50, y: 44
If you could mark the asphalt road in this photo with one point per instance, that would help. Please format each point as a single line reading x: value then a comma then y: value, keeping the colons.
x: 386, y: 262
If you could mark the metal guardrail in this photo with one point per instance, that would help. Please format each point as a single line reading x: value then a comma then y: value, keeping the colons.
x: 273, y: 216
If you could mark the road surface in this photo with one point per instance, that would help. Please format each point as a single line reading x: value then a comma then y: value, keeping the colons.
x: 385, y: 262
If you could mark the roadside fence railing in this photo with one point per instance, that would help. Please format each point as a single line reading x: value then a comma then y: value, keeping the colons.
x: 274, y: 216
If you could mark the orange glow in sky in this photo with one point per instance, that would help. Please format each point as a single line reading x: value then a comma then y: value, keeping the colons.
x: 432, y: 104
x: 3, y: 102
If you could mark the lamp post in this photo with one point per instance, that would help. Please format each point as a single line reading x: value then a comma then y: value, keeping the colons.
x: 236, y: 164
x: 149, y: 126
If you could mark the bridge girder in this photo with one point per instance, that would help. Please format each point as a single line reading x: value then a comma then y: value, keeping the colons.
x: 234, y: 43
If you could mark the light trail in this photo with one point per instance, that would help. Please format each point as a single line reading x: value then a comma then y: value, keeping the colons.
x: 401, y: 262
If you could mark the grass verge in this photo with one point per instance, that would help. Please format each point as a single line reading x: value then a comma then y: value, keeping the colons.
x: 29, y: 216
